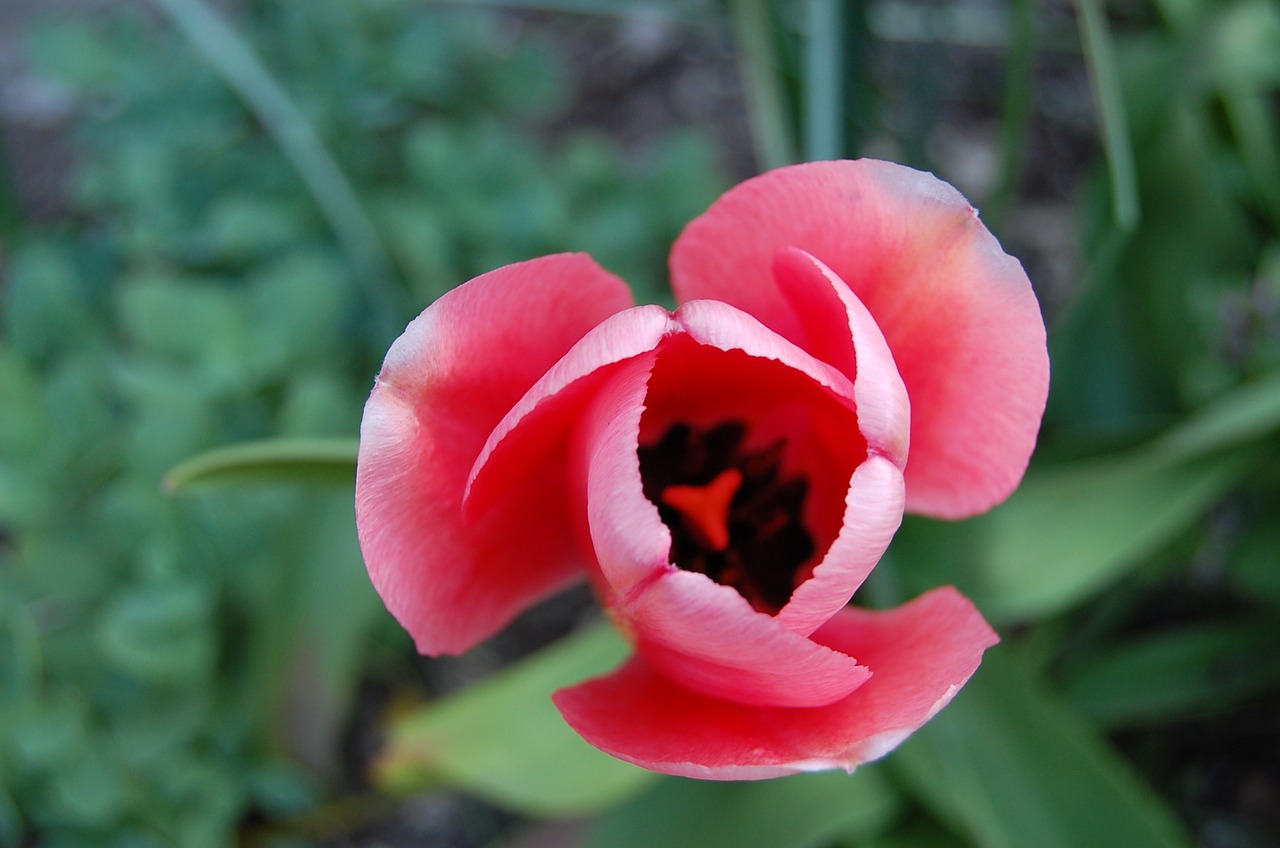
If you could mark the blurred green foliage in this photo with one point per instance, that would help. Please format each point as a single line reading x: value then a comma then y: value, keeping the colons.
x: 179, y: 670
x: 171, y: 669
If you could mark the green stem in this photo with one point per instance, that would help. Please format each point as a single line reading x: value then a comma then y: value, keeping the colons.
x: 1015, y: 112
x: 1099, y: 52
x: 10, y: 207
x: 766, y: 103
x: 823, y: 81
x: 241, y: 70
x: 1252, y: 121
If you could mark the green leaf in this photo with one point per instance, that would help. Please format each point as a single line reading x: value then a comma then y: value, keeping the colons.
x: 92, y: 795
x: 1099, y: 51
x: 73, y: 51
x: 1070, y: 531
x: 1011, y: 766
x: 161, y: 634
x: 792, y: 812
x: 20, y: 653
x: 823, y: 80
x: 504, y: 740
x: 1247, y: 413
x: 10, y: 818
x: 268, y: 461
x: 1185, y: 671
x: 754, y: 30
x: 45, y: 304
x: 1253, y: 564
x: 188, y: 322
x: 916, y: 832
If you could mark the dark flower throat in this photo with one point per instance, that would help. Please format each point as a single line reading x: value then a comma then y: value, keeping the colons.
x: 732, y: 515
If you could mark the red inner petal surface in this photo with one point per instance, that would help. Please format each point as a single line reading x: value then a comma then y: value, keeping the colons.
x: 702, y: 386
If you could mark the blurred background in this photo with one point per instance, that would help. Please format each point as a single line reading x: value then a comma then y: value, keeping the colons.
x: 215, y: 216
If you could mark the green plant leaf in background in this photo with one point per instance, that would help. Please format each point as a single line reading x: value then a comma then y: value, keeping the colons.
x: 1070, y: 531
x: 1181, y: 672
x: 1073, y: 528
x: 1011, y: 766
x: 300, y: 460
x: 1095, y: 35
x: 792, y: 812
x: 504, y: 740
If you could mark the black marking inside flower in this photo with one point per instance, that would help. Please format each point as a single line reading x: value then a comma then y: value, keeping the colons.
x: 732, y: 513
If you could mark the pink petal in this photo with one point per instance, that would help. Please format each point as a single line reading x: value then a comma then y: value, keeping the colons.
x: 873, y: 513
x: 709, y: 639
x: 446, y: 383
x: 841, y: 331
x: 541, y: 420
x: 958, y: 313
x: 720, y: 325
x: 704, y: 634
x: 920, y: 655
x: 632, y: 546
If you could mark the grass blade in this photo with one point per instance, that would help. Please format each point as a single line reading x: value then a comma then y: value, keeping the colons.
x: 1099, y: 52
x: 823, y: 81
x: 766, y: 103
x: 1015, y: 112
x: 284, y: 121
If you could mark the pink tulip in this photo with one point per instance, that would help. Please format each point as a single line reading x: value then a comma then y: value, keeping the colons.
x: 727, y: 474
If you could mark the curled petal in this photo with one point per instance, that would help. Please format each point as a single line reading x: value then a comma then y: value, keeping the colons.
x: 721, y: 326
x: 541, y: 419
x: 839, y: 330
x: 920, y: 654
x: 708, y: 638
x: 632, y: 546
x: 445, y: 384
x: 873, y: 513
x: 957, y: 312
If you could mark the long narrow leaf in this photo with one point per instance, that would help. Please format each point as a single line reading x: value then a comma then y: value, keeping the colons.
x: 1175, y: 674
x: 1011, y: 766
x: 749, y: 814
x: 1105, y: 78
x: 268, y: 461
x: 1245, y: 414
x: 673, y: 9
x: 1015, y: 111
x: 823, y: 81
x: 1252, y: 116
x: 284, y: 121
x: 766, y: 103
x: 1070, y: 531
x: 1073, y: 528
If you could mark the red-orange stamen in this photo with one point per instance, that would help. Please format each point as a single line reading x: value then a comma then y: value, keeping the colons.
x: 705, y: 509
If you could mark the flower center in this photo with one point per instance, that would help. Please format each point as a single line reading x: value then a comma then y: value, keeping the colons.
x: 733, y: 516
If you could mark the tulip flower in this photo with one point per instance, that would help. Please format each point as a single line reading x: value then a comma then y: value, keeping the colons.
x: 850, y: 343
